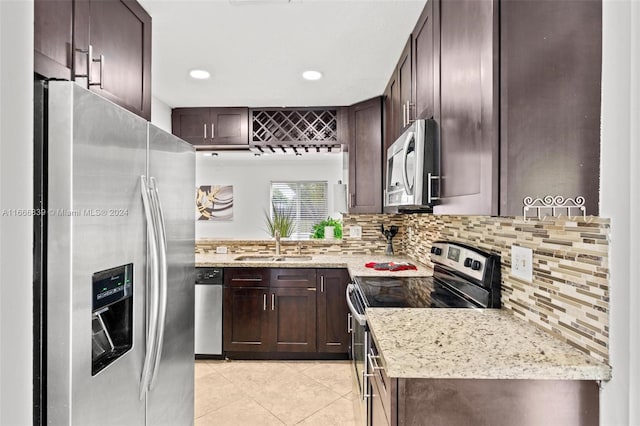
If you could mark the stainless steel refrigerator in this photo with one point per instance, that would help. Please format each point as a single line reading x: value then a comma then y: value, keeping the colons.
x: 114, y: 273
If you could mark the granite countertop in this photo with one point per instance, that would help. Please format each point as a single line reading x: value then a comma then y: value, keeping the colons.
x: 354, y: 263
x: 474, y: 344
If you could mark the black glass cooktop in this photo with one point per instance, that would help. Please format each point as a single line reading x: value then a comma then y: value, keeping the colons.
x: 413, y: 292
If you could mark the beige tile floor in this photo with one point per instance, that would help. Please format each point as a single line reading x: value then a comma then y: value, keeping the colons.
x: 256, y: 393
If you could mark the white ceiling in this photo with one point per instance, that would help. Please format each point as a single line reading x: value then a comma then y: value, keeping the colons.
x: 256, y: 50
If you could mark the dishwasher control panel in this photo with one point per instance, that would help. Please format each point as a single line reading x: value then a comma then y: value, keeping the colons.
x: 209, y: 276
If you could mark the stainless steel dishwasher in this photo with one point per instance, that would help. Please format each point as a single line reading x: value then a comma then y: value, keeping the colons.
x: 208, y: 312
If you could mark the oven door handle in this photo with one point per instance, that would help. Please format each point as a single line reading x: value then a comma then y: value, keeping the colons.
x: 360, y: 318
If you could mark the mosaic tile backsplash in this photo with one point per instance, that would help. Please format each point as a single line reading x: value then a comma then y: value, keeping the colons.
x: 569, y: 296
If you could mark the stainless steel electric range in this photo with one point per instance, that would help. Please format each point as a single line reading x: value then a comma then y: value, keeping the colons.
x: 463, y: 277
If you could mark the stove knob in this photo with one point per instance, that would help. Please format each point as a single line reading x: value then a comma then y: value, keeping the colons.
x: 467, y: 262
x: 476, y: 265
x: 436, y: 250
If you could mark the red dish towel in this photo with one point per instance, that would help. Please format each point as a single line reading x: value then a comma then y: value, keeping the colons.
x: 391, y: 266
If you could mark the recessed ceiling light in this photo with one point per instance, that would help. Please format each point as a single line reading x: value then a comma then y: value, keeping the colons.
x: 199, y: 74
x: 312, y: 75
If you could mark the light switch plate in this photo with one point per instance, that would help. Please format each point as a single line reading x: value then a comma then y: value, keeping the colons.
x: 355, y: 231
x: 522, y: 263
x: 221, y: 250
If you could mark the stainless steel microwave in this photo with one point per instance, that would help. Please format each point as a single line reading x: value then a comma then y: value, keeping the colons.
x: 412, y: 181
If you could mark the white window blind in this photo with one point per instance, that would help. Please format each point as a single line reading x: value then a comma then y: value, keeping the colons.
x: 305, y: 200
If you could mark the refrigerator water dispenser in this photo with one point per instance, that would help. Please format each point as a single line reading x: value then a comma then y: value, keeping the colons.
x: 112, y: 316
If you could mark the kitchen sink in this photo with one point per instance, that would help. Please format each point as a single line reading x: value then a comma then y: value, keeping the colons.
x: 289, y: 258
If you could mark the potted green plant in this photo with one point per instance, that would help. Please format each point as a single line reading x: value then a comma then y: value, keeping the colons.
x: 318, y: 231
x: 281, y: 220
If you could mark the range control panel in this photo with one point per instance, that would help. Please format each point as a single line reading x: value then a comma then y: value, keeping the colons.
x: 470, y: 261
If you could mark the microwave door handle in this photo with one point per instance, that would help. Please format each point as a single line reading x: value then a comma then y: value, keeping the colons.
x: 405, y: 152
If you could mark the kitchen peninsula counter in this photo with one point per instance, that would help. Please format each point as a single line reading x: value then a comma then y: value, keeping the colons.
x: 474, y: 344
x: 354, y: 263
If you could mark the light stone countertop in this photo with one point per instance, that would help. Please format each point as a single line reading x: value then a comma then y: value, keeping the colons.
x: 354, y: 263
x: 474, y: 344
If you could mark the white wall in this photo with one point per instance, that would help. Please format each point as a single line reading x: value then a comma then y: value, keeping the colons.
x: 160, y: 114
x: 250, y: 177
x: 620, y: 200
x: 16, y: 188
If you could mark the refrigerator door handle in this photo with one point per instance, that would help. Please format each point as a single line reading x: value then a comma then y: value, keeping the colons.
x: 163, y: 272
x: 152, y: 305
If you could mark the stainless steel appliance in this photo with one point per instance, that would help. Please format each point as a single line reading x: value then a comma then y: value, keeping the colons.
x: 412, y: 181
x: 208, y: 311
x: 463, y: 277
x: 115, y: 271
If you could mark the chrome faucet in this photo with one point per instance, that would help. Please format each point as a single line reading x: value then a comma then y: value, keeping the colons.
x: 277, y: 235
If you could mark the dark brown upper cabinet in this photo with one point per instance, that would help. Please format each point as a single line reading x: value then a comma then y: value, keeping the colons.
x: 53, y: 38
x: 424, y: 60
x: 397, y: 99
x: 406, y: 106
x: 104, y: 45
x: 211, y: 126
x: 468, y: 107
x: 551, y: 55
x: 390, y: 106
x: 365, y: 157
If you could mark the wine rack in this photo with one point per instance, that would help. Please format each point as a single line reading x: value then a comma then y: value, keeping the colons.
x: 294, y: 127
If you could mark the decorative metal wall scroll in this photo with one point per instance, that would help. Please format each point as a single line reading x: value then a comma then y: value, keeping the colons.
x: 553, y: 206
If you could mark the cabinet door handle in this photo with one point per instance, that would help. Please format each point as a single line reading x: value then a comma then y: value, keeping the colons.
x: 273, y: 301
x: 264, y: 301
x: 213, y: 131
x: 205, y: 130
x: 321, y: 283
x: 404, y: 115
x: 101, y: 82
x: 409, y: 105
x: 349, y: 323
x: 90, y: 60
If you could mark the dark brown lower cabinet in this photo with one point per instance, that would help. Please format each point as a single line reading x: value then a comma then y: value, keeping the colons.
x: 292, y: 321
x: 290, y: 312
x: 332, y: 313
x: 245, y: 319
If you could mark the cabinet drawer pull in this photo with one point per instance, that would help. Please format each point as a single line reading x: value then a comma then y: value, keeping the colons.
x: 264, y: 301
x: 312, y: 288
x: 373, y: 362
x: 246, y: 279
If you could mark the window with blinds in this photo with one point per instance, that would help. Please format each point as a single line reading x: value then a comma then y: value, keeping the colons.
x: 306, y: 201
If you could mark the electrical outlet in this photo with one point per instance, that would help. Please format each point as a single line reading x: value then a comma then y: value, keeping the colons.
x: 221, y: 250
x: 355, y: 231
x: 522, y: 263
